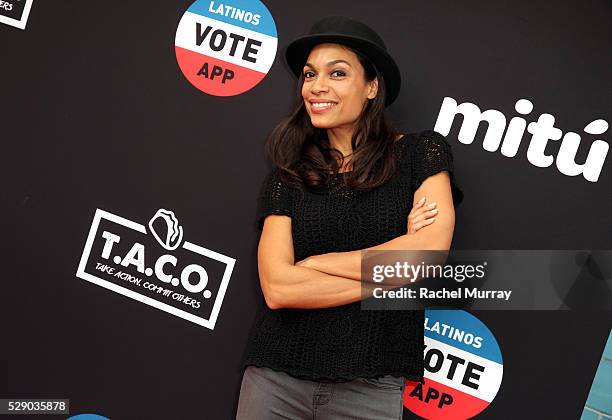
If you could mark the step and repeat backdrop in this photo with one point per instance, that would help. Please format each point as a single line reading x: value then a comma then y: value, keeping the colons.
x: 132, y: 158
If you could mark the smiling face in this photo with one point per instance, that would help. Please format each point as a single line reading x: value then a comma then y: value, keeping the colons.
x: 335, y: 89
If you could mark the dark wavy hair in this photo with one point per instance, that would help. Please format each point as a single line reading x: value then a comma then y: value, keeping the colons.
x: 303, y: 153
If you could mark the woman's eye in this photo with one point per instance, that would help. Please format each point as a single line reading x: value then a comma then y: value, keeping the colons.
x: 335, y: 73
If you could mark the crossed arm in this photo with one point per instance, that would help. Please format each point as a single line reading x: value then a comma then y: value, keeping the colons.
x: 334, y: 279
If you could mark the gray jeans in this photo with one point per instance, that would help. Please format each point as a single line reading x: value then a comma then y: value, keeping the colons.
x: 267, y: 394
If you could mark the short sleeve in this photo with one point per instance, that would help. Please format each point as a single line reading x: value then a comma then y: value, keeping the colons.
x: 275, y: 198
x: 433, y: 154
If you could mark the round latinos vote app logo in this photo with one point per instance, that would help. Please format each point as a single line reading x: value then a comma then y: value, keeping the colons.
x: 463, y: 368
x: 225, y: 48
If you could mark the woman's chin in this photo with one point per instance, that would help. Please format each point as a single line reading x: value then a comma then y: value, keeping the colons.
x: 320, y: 123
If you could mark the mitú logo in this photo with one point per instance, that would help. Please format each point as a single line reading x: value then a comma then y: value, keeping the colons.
x: 156, y: 266
x: 15, y: 12
x: 542, y: 132
x: 463, y: 368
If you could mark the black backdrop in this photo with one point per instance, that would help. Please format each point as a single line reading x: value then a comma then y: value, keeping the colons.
x: 95, y: 113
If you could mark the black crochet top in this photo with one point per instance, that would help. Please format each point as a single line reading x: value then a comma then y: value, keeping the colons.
x: 344, y: 342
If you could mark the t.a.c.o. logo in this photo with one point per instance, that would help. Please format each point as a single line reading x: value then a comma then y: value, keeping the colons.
x: 463, y: 368
x: 225, y: 48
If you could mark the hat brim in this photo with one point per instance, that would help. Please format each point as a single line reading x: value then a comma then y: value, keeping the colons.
x: 297, y: 52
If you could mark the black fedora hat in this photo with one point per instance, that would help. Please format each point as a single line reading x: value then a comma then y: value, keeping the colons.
x: 354, y: 34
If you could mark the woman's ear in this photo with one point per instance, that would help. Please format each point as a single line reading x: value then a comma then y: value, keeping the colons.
x: 373, y: 88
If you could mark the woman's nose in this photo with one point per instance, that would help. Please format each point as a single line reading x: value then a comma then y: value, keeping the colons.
x: 319, y: 85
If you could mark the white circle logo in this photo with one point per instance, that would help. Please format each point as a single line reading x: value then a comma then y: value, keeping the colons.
x: 226, y: 48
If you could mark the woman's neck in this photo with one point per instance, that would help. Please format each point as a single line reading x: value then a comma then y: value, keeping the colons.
x: 340, y: 139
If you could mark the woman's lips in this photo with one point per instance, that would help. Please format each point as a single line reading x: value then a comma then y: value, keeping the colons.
x: 321, y: 107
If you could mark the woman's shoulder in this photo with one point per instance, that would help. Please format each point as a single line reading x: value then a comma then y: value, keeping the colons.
x: 418, y: 145
x: 420, y: 137
x: 422, y: 143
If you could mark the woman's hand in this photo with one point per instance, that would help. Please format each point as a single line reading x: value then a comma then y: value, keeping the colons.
x: 421, y: 215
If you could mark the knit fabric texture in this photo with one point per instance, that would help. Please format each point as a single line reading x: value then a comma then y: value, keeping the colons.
x: 344, y: 342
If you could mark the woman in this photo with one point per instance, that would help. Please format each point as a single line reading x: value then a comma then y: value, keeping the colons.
x: 344, y: 180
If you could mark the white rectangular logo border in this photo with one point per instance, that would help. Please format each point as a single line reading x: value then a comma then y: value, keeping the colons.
x: 208, y: 323
x: 21, y: 24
